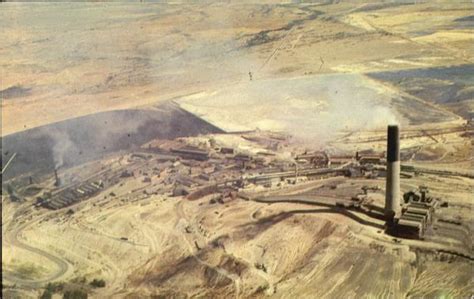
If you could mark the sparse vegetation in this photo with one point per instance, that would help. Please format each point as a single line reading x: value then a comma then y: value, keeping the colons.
x: 28, y: 270
x: 47, y: 294
x: 97, y: 283
x: 55, y: 287
x: 52, y: 288
x: 261, y: 288
x: 79, y: 280
x: 261, y: 37
x: 75, y: 294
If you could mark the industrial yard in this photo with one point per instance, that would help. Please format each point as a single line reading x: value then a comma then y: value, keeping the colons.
x: 220, y: 157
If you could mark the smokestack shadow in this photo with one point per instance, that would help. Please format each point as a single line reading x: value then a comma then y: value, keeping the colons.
x: 373, y: 211
x: 333, y: 210
x: 253, y: 229
x: 289, y: 199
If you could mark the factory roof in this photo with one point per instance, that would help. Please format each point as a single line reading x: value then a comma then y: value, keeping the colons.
x: 420, y: 211
x: 409, y: 223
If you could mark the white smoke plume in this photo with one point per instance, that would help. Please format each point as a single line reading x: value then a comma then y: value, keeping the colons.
x: 312, y: 109
x: 62, y: 145
x: 347, y: 108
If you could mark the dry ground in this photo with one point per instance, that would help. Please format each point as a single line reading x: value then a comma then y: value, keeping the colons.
x: 61, y: 61
x: 66, y: 60
x: 242, y: 249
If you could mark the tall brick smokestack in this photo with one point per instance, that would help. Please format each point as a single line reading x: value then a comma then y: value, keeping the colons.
x: 392, y: 187
x: 57, y: 181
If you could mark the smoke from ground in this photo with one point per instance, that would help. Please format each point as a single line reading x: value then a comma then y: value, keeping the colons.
x: 84, y: 139
x: 100, y: 133
x: 313, y: 109
x: 345, y: 109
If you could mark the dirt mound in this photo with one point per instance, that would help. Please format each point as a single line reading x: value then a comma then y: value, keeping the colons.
x: 211, y: 272
x: 79, y: 140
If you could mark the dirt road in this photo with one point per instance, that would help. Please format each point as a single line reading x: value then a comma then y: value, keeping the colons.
x: 61, y: 265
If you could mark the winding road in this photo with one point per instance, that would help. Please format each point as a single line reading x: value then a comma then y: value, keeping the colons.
x: 61, y: 265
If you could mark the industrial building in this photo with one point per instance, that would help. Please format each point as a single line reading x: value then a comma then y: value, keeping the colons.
x: 191, y: 153
x: 195, y: 173
x: 69, y: 196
